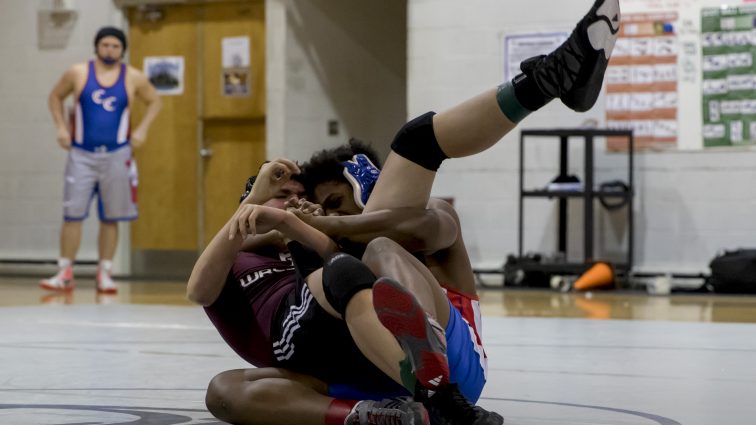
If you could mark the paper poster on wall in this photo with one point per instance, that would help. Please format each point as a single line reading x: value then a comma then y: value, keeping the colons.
x: 729, y: 76
x: 236, y: 71
x: 235, y: 52
x: 518, y: 47
x: 236, y: 82
x: 166, y: 73
x: 641, y: 81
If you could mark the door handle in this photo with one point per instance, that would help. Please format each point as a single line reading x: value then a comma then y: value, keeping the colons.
x: 206, y: 152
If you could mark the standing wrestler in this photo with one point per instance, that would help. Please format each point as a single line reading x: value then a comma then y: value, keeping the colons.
x: 99, y: 145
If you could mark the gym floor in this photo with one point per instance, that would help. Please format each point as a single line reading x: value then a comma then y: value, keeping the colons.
x: 145, y: 356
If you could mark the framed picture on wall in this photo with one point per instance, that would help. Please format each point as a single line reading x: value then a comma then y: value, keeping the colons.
x: 166, y: 73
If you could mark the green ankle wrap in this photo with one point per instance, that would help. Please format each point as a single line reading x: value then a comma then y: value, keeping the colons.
x: 509, y: 105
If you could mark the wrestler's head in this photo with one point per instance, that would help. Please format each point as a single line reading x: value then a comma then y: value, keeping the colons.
x: 326, y: 182
x: 110, y: 45
x: 290, y: 189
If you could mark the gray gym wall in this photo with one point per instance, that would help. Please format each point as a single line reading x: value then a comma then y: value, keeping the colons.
x: 334, y: 60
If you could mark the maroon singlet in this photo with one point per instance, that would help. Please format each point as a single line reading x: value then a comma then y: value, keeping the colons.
x: 249, y: 304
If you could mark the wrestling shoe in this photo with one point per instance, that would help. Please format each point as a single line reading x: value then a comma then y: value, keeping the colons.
x: 62, y: 281
x: 419, y: 335
x: 447, y: 406
x: 362, y: 174
x: 574, y: 71
x: 105, y: 283
x: 394, y: 411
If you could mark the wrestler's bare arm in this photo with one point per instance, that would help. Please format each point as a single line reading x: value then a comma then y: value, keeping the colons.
x: 144, y: 91
x: 211, y: 269
x: 62, y: 89
x: 417, y: 230
x: 251, y: 219
x: 270, y: 180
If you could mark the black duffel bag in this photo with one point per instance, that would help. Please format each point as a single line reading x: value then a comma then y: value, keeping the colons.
x: 734, y: 272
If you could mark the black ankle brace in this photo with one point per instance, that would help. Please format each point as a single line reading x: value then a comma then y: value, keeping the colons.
x: 528, y: 93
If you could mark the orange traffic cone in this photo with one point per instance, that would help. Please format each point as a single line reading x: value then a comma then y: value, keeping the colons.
x: 598, y: 276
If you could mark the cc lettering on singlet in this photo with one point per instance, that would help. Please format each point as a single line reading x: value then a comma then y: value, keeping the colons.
x: 106, y: 103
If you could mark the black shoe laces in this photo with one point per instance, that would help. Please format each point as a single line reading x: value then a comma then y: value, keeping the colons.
x: 561, y: 68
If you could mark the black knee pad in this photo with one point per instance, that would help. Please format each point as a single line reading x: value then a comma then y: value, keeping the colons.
x: 417, y: 142
x: 344, y: 276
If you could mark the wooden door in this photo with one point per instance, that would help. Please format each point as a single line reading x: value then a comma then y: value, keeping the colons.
x: 168, y: 161
x: 234, y: 125
x: 185, y: 198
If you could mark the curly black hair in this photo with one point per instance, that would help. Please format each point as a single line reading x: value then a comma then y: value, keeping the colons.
x: 325, y: 165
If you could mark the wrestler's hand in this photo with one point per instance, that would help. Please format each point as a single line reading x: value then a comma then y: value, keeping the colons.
x: 138, y: 137
x: 272, y: 176
x: 254, y: 219
x: 303, y: 208
x: 64, y: 138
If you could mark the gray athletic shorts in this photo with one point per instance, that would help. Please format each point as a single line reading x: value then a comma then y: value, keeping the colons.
x: 112, y: 176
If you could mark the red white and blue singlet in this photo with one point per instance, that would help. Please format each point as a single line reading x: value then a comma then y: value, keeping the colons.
x: 102, y: 121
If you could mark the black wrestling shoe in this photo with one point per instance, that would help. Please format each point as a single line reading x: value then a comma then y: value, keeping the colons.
x: 447, y: 406
x: 574, y: 71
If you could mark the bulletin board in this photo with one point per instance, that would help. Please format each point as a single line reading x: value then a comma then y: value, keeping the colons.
x: 728, y: 42
x: 641, y: 81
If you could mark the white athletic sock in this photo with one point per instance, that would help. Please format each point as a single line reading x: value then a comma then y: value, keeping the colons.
x: 106, y: 265
x: 64, y: 262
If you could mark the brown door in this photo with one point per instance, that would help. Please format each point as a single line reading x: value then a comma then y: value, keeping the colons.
x: 233, y: 107
x: 168, y: 162
x: 209, y: 139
